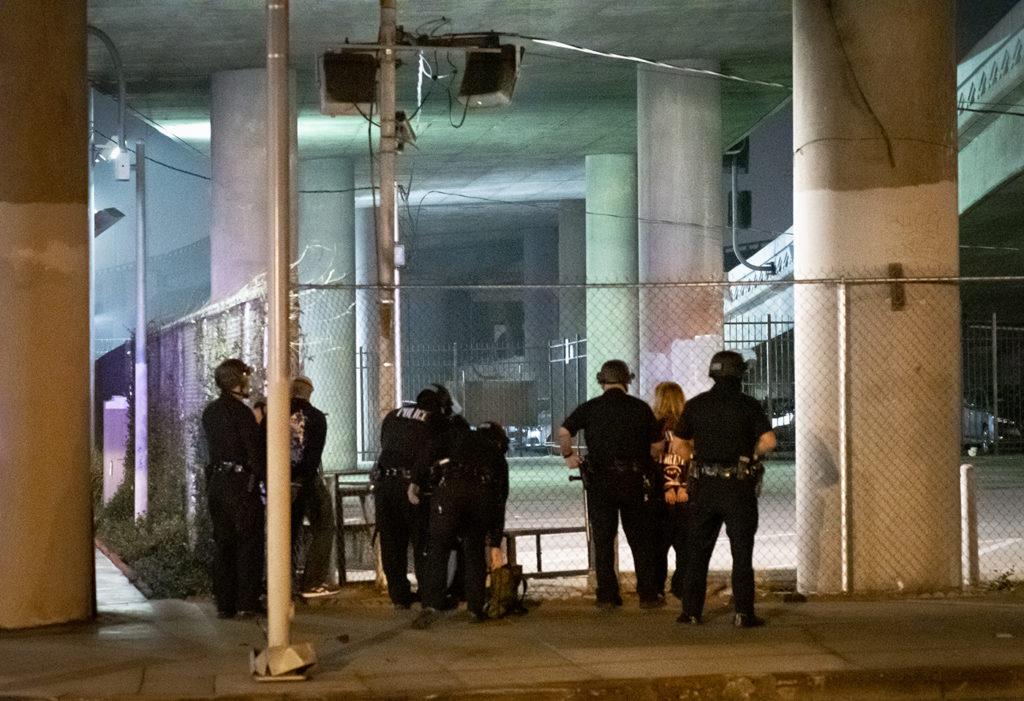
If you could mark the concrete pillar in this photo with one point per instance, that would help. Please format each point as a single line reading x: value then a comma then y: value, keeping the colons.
x: 540, y: 267
x: 238, y: 158
x: 327, y: 314
x: 572, y: 267
x: 681, y: 214
x: 877, y: 381
x: 46, y: 548
x: 611, y: 259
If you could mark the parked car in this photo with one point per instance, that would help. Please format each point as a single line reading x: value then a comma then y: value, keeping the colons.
x: 981, y: 428
x: 526, y: 440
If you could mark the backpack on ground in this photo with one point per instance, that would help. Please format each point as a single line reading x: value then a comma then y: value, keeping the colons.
x: 507, y: 593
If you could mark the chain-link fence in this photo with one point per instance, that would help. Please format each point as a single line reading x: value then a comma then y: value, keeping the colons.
x: 877, y: 390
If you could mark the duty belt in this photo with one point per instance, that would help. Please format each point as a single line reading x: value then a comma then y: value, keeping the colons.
x: 618, y: 465
x: 725, y: 470
x: 396, y: 472
x: 227, y: 467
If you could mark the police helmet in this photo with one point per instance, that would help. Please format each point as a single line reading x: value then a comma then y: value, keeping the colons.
x: 444, y: 399
x: 493, y: 432
x: 230, y: 374
x: 428, y: 401
x: 615, y: 372
x: 727, y: 364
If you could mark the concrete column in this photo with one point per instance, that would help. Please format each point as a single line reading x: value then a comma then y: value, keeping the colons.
x: 238, y: 158
x: 327, y: 314
x: 611, y: 259
x: 46, y: 549
x: 572, y: 267
x: 540, y: 267
x: 681, y: 214
x: 877, y: 381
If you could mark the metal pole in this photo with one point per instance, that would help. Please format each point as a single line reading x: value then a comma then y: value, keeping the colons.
x: 995, y: 386
x: 846, y: 498
x: 141, y: 369
x: 968, y: 527
x: 278, y: 386
x: 388, y: 388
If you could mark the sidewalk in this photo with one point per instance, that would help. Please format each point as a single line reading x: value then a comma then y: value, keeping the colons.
x: 923, y: 648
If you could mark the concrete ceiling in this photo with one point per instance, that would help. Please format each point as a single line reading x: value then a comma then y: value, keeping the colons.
x: 566, y: 104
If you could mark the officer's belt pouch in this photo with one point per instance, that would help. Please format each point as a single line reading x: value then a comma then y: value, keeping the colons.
x: 224, y: 467
x: 739, y: 470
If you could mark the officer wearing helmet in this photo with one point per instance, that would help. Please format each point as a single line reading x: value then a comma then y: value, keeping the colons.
x: 621, y: 436
x: 467, y: 512
x: 411, y: 438
x: 236, y: 448
x: 730, y: 433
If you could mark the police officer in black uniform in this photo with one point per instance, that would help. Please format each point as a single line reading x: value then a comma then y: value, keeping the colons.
x: 467, y: 510
x: 730, y: 433
x: 236, y: 448
x: 621, y: 436
x: 411, y: 440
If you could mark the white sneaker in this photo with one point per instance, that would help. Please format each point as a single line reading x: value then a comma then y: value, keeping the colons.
x: 321, y: 591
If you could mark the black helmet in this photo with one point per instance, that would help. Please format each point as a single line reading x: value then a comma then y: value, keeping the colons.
x: 230, y: 374
x: 444, y: 399
x: 727, y: 364
x: 428, y: 401
x: 494, y: 434
x: 615, y: 372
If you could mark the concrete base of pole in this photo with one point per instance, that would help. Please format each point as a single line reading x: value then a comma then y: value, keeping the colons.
x: 285, y: 663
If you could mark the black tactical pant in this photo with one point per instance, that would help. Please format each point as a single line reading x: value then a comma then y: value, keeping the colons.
x: 236, y: 514
x: 714, y: 501
x: 462, y: 511
x: 609, y: 494
x: 399, y: 525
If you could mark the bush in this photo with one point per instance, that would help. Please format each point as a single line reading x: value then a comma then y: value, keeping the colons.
x: 168, y: 561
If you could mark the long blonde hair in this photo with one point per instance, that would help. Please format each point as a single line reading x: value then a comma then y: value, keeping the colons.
x: 669, y: 401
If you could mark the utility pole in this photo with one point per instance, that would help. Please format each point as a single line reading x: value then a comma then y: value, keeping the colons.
x: 387, y: 313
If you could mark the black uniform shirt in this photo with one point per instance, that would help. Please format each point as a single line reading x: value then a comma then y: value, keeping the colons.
x: 618, y: 427
x: 723, y: 423
x: 410, y: 439
x: 308, y: 434
x: 233, y: 435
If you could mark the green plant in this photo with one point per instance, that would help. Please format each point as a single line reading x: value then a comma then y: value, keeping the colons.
x: 167, y: 552
x: 1004, y: 582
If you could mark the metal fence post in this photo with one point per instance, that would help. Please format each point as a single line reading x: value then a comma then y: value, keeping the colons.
x: 995, y: 386
x: 844, y: 465
x: 970, y: 572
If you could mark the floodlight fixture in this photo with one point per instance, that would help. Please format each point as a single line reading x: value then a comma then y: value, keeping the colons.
x: 347, y: 80
x: 489, y: 78
x: 106, y: 218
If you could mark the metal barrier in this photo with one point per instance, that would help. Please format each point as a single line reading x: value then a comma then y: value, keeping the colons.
x: 513, y: 533
x: 365, y: 526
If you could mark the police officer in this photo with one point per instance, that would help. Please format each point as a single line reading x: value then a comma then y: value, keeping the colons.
x: 411, y: 440
x: 621, y: 436
x: 730, y: 433
x: 467, y: 510
x: 308, y: 428
x: 236, y: 448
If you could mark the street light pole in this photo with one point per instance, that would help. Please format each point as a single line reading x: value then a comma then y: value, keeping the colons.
x: 141, y: 366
